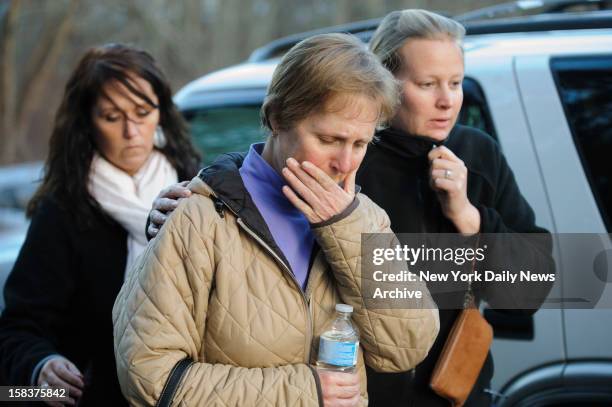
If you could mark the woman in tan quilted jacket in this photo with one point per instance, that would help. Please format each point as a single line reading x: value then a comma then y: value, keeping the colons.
x: 226, y: 305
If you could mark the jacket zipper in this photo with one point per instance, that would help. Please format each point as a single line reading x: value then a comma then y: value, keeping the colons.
x: 297, y: 285
x: 307, y: 296
x: 287, y: 270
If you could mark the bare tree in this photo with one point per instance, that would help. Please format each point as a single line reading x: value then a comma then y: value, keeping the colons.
x: 8, y: 91
x: 19, y: 102
x: 41, y: 40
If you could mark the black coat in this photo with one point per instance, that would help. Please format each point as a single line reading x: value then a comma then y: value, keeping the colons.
x: 395, y: 175
x: 59, y: 297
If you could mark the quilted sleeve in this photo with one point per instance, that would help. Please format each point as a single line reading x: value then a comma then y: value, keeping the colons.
x: 394, y: 340
x: 160, y: 318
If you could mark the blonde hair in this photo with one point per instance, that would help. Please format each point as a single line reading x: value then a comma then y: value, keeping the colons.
x: 399, y: 26
x: 323, y: 66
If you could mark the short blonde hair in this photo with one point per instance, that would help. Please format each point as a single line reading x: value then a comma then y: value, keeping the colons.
x: 321, y: 67
x: 399, y: 26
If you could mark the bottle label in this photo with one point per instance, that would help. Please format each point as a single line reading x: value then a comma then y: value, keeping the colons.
x: 338, y: 353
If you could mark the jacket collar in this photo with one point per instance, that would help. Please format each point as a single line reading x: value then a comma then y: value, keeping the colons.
x: 223, y: 183
x: 405, y: 144
x: 224, y: 180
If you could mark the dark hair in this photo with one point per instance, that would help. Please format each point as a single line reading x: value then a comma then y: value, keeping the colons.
x: 71, y: 146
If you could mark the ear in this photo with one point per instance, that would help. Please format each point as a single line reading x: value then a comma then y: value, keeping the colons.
x: 274, y: 125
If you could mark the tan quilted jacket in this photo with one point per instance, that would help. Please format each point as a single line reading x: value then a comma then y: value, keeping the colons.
x: 209, y: 287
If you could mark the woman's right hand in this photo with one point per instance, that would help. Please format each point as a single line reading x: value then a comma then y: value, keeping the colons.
x: 164, y: 204
x: 340, y: 389
x: 60, y: 372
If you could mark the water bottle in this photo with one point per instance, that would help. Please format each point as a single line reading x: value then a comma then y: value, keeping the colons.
x: 339, y: 343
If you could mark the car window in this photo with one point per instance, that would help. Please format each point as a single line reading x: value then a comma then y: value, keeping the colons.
x: 224, y: 129
x: 585, y: 87
x: 475, y: 112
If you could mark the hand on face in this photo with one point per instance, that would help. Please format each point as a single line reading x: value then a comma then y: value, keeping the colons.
x: 449, y: 177
x: 314, y: 193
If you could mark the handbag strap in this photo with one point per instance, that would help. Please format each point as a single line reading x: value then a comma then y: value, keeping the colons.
x: 469, y: 300
x: 173, y: 381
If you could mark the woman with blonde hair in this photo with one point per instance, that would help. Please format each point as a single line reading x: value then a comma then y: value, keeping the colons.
x: 441, y: 177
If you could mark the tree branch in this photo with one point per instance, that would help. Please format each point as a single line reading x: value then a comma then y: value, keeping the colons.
x: 8, y: 83
x: 34, y: 87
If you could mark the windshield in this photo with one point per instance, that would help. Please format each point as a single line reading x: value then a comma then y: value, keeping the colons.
x: 224, y: 129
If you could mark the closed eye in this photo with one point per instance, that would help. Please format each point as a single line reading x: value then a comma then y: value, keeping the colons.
x: 327, y: 140
x: 142, y: 112
x: 112, y: 117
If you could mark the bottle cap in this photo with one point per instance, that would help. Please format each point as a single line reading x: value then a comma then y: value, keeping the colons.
x: 344, y: 308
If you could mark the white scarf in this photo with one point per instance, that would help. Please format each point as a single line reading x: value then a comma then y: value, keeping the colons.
x: 128, y: 199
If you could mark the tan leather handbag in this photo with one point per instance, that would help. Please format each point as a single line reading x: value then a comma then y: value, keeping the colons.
x: 463, y: 355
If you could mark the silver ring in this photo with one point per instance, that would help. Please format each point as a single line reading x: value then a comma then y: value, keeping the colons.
x: 448, y: 174
x: 44, y: 384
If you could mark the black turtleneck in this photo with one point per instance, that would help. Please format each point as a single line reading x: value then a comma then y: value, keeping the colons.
x: 395, y: 175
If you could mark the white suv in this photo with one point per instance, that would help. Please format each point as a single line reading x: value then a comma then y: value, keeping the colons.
x: 542, y: 86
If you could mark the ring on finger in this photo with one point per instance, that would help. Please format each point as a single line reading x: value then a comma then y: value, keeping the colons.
x: 448, y: 174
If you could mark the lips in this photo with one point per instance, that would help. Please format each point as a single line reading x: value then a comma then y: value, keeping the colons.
x: 439, y: 123
x: 131, y: 151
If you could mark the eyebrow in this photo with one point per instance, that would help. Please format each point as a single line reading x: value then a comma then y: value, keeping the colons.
x: 111, y: 107
x: 434, y: 74
x: 336, y: 137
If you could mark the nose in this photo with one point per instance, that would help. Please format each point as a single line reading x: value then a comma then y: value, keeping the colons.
x: 445, y: 98
x: 131, y: 129
x: 342, y: 161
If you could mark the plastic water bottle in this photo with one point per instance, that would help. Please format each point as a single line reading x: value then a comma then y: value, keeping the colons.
x: 339, y: 343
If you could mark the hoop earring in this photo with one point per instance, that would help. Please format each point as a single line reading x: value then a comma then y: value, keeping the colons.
x: 159, y: 139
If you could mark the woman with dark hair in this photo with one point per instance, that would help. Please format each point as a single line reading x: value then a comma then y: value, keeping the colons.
x: 117, y: 140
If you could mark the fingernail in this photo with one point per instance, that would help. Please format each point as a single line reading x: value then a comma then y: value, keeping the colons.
x: 291, y: 160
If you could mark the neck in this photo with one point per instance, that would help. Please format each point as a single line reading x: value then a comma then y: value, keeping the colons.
x: 270, y: 154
